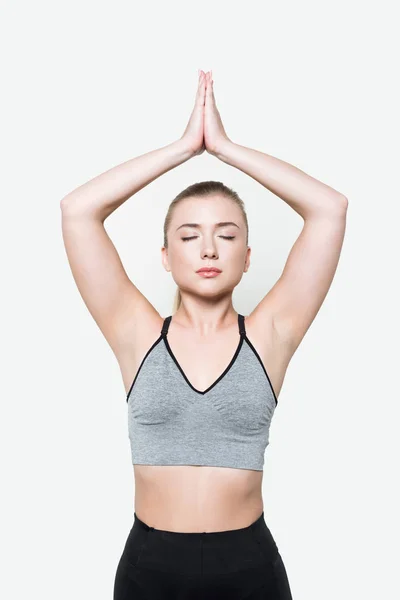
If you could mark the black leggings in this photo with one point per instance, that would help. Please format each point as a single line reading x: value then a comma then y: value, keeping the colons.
x: 238, y: 564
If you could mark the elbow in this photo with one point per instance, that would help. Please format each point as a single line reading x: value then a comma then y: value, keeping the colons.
x: 73, y: 207
x: 65, y: 203
x: 344, y: 203
x: 340, y: 204
x: 70, y: 208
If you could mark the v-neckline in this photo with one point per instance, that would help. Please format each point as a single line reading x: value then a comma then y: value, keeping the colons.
x: 225, y: 371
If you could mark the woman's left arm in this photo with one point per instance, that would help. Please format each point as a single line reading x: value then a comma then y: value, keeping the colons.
x: 306, y: 195
x: 295, y: 299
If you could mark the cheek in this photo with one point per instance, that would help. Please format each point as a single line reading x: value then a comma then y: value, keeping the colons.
x: 236, y: 257
x: 182, y: 256
x: 237, y: 263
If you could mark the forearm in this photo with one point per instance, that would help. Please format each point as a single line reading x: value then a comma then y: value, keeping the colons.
x: 100, y: 196
x: 306, y: 195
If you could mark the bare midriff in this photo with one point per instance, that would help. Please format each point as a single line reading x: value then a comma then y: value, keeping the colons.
x: 197, y: 499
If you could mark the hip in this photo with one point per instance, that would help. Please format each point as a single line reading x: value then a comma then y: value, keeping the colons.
x: 231, y: 563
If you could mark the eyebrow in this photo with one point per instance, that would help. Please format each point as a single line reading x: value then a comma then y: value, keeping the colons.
x: 198, y: 226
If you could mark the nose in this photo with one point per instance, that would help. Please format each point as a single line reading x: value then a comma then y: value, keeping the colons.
x: 209, y: 247
x: 209, y: 253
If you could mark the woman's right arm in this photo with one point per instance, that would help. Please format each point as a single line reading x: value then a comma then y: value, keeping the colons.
x: 112, y: 299
x: 99, y: 197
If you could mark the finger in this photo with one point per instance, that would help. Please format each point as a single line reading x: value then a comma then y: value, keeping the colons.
x: 198, y: 93
x: 201, y: 84
x: 212, y: 83
x: 203, y: 87
x: 209, y: 91
x: 212, y: 89
x: 201, y: 91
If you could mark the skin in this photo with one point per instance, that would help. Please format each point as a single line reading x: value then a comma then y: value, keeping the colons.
x: 203, y: 333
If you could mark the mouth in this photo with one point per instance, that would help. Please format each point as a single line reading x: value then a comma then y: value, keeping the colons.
x: 209, y: 270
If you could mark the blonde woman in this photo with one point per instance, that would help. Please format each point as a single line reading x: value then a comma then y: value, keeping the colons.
x: 202, y: 384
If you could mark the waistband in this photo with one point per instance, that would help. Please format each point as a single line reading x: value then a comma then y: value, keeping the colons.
x: 228, y: 535
x: 204, y: 553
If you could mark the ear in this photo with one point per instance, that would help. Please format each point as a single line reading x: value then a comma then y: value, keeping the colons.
x: 164, y: 258
x: 247, y: 261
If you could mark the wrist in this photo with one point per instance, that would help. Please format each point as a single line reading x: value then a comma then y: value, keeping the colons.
x: 184, y: 149
x: 222, y: 150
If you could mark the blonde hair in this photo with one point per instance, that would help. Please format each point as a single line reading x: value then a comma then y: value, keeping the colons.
x: 201, y: 189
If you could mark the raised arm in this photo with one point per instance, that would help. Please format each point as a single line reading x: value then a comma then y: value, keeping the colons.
x: 295, y: 299
x: 293, y: 302
x: 113, y: 300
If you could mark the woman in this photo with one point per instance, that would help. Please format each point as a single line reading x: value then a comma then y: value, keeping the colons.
x: 202, y: 384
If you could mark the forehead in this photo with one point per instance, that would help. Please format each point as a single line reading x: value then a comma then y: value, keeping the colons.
x: 206, y: 210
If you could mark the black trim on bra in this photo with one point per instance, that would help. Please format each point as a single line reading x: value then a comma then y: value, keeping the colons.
x: 233, y: 359
x: 242, y: 328
x: 165, y: 326
x: 243, y: 336
x: 263, y: 366
x: 142, y: 363
x: 242, y: 332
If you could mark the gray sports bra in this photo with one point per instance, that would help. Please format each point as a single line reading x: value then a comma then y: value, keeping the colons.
x: 170, y: 422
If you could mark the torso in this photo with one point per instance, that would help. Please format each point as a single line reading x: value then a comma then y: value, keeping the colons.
x: 192, y: 498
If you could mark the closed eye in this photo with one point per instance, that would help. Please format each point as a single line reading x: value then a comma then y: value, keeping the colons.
x: 225, y: 237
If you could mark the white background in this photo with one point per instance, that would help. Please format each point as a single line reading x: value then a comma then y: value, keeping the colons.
x: 89, y: 85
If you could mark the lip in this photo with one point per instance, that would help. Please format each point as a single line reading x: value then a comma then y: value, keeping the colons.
x: 209, y: 270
